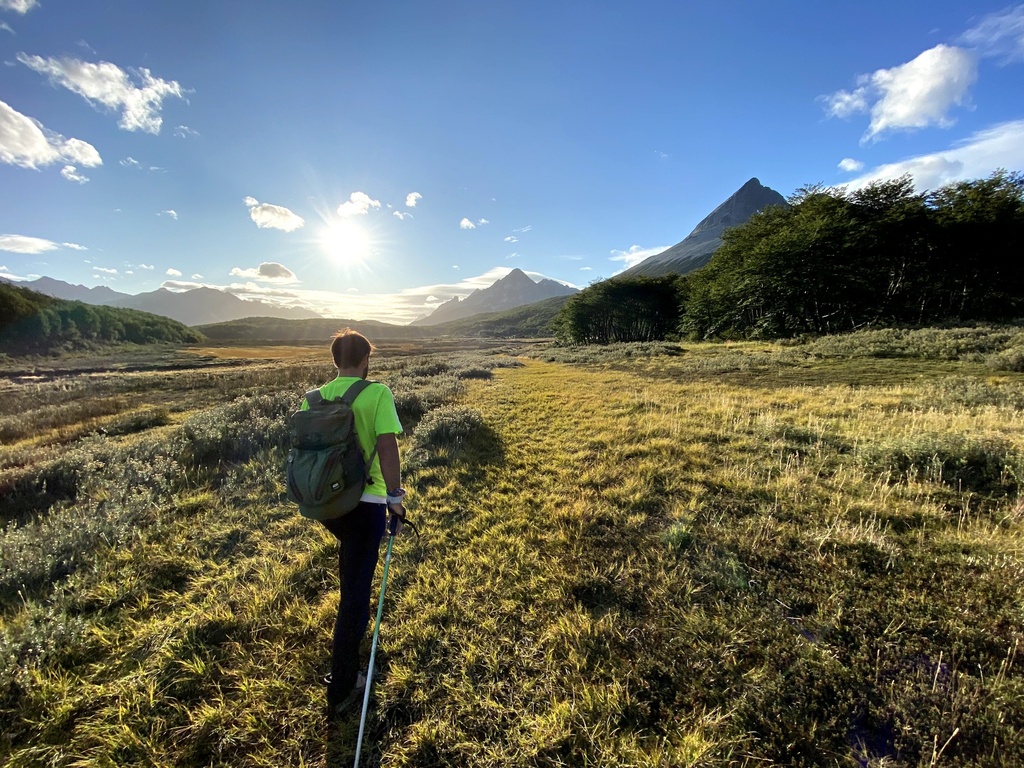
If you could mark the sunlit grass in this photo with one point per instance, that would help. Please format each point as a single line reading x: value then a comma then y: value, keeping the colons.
x: 725, y: 556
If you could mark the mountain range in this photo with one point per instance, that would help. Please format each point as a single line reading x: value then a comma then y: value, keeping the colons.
x: 198, y: 306
x: 696, y: 249
x: 513, y: 290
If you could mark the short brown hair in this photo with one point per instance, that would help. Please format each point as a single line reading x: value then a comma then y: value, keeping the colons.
x: 349, y: 348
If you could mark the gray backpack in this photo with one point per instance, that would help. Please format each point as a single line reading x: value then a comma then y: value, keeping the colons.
x: 327, y: 471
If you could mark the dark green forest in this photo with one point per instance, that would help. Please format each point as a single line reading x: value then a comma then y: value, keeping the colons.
x: 33, y: 323
x: 832, y: 261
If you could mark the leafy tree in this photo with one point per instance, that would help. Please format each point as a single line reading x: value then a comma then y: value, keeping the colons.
x: 624, y: 310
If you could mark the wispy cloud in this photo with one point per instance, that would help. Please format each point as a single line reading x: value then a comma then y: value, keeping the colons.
x: 527, y: 228
x: 18, y: 6
x: 400, y: 215
x: 169, y: 212
x: 466, y: 224
x: 129, y: 162
x: 105, y: 270
x: 26, y: 244
x: 268, y: 216
x: 481, y: 222
x: 412, y: 198
x: 184, y: 132
x: 71, y: 173
x: 358, y: 204
x: 910, y: 96
x: 197, y: 276
x: 75, y: 246
x: 268, y: 271
x: 850, y: 165
x: 108, y: 85
x: 172, y: 272
x: 999, y: 35
x: 147, y: 266
x: 984, y: 152
x: 6, y: 27
x: 635, y: 254
x: 511, y: 239
x: 26, y: 143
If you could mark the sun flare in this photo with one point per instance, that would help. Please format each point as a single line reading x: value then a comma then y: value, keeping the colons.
x: 345, y: 242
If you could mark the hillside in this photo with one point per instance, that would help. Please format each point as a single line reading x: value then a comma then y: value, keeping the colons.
x: 33, y: 323
x: 278, y: 331
x: 530, y: 321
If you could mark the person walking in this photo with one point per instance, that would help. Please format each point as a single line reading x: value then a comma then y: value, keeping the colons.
x: 360, y: 532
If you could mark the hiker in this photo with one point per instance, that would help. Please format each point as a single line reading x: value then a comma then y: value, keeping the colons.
x: 360, y: 531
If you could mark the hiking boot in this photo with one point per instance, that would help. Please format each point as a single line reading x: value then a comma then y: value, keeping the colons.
x: 338, y: 706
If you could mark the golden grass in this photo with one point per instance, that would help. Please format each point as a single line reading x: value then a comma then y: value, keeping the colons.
x: 646, y: 563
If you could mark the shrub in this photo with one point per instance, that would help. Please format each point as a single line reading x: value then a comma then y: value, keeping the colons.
x: 984, y: 466
x: 448, y: 427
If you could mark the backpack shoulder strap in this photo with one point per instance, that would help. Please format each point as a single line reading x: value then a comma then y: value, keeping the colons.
x: 314, y: 398
x: 354, y: 390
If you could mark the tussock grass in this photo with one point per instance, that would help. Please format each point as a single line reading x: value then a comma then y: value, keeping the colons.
x: 725, y: 555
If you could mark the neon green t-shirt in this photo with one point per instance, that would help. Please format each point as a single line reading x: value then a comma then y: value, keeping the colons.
x: 375, y: 415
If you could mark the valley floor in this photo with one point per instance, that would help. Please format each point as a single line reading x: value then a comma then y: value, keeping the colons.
x: 725, y: 555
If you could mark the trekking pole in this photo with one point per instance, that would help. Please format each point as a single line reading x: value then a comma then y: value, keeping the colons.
x: 373, y: 644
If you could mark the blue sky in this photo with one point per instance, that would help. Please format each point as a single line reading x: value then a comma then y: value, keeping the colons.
x: 371, y: 160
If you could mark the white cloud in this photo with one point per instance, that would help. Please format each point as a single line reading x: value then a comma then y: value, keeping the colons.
x: 268, y: 216
x: 1001, y: 146
x: 129, y: 162
x: 169, y: 212
x: 75, y: 246
x: 456, y: 266
x: 999, y: 35
x: 466, y: 224
x: 635, y: 254
x: 910, y: 96
x: 6, y: 27
x: 197, y: 277
x: 184, y: 132
x: 110, y: 86
x: 26, y: 143
x: 512, y: 256
x: 18, y: 6
x: 71, y: 173
x: 481, y: 222
x: 527, y: 228
x: 850, y: 165
x: 585, y: 269
x: 172, y: 272
x: 25, y: 244
x: 358, y: 204
x: 401, y: 216
x: 412, y: 198
x: 105, y: 270
x: 511, y: 239
x: 268, y: 271
x: 146, y: 266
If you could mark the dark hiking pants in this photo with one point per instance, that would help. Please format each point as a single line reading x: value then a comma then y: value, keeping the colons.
x: 358, y: 534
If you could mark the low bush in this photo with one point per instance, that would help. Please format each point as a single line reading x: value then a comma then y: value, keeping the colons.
x: 985, y: 466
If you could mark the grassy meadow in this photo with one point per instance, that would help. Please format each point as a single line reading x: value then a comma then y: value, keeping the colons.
x: 733, y: 554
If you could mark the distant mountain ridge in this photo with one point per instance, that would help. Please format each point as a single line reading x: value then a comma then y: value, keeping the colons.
x: 696, y: 249
x: 198, y: 306
x: 513, y: 290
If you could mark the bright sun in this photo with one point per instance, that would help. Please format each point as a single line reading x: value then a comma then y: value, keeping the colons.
x: 345, y: 242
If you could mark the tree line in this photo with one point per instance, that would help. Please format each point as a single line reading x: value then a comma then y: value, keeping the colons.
x: 832, y: 261
x: 33, y: 323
